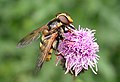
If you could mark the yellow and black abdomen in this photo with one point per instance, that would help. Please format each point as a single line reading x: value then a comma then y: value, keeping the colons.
x: 44, y: 43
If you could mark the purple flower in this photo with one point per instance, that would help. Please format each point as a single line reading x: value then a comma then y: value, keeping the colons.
x: 79, y: 50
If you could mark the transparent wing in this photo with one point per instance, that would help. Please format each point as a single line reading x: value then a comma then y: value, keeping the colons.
x: 34, y: 35
x: 43, y: 55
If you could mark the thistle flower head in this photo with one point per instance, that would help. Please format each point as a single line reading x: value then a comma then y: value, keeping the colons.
x: 79, y: 51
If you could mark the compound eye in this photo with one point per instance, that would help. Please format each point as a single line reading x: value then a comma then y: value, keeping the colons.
x: 63, y: 19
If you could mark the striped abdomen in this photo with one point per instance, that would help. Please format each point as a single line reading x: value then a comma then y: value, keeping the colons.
x: 44, y: 42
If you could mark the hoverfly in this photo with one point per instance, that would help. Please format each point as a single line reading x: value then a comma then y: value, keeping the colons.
x: 51, y: 34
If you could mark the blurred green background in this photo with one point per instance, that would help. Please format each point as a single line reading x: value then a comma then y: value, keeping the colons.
x: 19, y: 17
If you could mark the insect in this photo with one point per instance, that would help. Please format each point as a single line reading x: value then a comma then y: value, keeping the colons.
x: 52, y: 32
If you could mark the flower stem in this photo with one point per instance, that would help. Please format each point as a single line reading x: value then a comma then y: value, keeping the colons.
x: 74, y: 78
